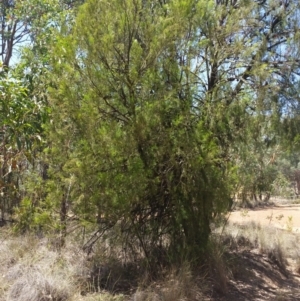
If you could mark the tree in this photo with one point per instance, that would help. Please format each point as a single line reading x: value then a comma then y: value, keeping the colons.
x: 21, y: 121
x: 27, y: 27
x: 152, y: 101
x: 23, y: 21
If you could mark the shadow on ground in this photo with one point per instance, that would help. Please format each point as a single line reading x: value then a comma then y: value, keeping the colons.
x: 258, y: 277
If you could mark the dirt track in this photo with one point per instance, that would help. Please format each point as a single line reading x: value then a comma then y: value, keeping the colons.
x: 280, y: 216
x: 260, y: 277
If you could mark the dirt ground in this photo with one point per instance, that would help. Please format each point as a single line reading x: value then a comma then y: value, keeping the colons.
x: 258, y: 277
x: 279, y: 215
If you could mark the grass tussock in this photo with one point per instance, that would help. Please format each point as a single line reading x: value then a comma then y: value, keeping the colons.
x: 33, y: 270
x: 278, y: 245
x: 33, y: 285
x: 253, y: 235
x: 176, y: 285
x: 218, y: 268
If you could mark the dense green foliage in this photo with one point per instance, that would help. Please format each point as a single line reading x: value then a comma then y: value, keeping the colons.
x: 137, y: 153
x: 156, y: 114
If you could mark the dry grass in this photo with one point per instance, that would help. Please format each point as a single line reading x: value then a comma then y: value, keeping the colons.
x: 104, y: 296
x: 279, y: 245
x: 218, y: 267
x: 263, y: 238
x: 176, y: 285
x: 32, y: 270
x: 33, y: 285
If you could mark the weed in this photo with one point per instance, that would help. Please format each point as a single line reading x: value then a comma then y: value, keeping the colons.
x: 244, y: 213
x: 270, y: 217
x: 279, y: 217
x: 289, y: 223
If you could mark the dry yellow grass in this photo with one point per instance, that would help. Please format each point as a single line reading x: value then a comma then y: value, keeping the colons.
x: 32, y: 270
x: 177, y: 285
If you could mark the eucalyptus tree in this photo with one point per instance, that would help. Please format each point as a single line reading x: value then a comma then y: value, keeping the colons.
x: 152, y: 103
x: 28, y: 30
x: 262, y: 72
x: 22, y: 21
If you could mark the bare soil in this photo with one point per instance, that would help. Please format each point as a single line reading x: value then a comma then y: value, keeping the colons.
x: 280, y: 216
x: 256, y: 276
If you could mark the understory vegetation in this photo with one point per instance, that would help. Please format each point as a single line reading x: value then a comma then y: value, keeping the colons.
x: 35, y: 269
